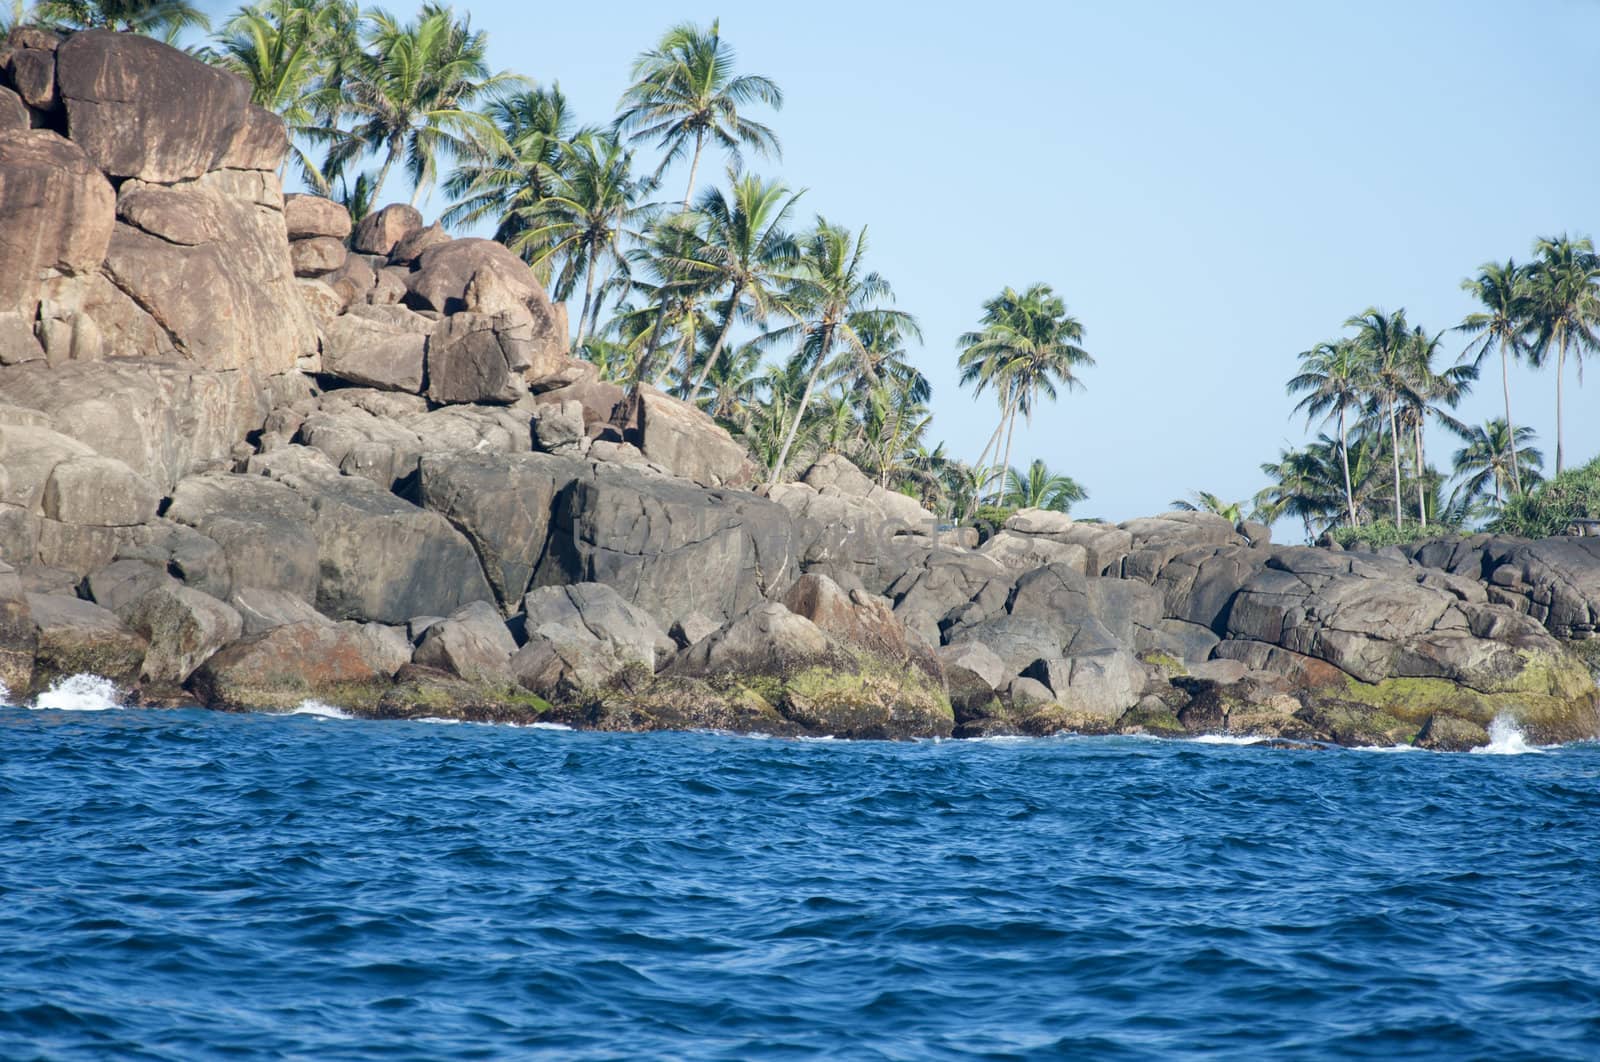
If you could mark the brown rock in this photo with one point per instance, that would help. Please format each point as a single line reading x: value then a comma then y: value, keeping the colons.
x: 373, y: 354
x: 285, y: 666
x: 180, y: 216
x: 18, y: 637
x: 317, y: 255
x: 140, y: 108
x: 259, y: 143
x: 411, y: 246
x: 33, y: 73
x: 79, y: 637
x: 56, y: 213
x: 474, y: 358
x: 380, y: 230
x: 14, y: 115
x: 314, y: 215
x: 682, y: 439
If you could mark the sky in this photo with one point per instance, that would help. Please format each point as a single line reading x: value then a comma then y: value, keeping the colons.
x: 1212, y: 188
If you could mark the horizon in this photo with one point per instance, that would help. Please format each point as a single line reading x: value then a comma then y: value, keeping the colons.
x: 1185, y: 157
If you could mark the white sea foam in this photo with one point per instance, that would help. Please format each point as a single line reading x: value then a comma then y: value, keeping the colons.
x: 5, y: 693
x: 79, y: 693
x: 1227, y: 739
x: 549, y: 726
x: 1505, y: 739
x: 1386, y: 748
x: 438, y: 721
x: 318, y: 709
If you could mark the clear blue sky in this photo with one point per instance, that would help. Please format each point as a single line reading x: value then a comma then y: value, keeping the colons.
x: 1211, y: 187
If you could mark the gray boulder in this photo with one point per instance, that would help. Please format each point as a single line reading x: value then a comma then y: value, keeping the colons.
x: 371, y: 353
x: 78, y: 637
x: 582, y: 636
x: 476, y: 358
x: 473, y: 643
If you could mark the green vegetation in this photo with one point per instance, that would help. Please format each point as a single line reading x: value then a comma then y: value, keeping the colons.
x: 1552, y: 507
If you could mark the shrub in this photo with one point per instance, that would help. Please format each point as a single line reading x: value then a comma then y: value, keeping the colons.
x: 1381, y: 533
x: 1551, y: 507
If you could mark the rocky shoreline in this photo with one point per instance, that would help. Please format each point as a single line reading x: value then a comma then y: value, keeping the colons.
x: 252, y: 455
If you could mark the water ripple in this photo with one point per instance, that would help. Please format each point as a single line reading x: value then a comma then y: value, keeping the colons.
x: 183, y: 885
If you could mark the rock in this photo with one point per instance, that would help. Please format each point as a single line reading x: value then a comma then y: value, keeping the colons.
x: 80, y: 638
x: 380, y: 230
x: 580, y: 637
x: 1199, y: 585
x: 283, y: 667
x: 140, y: 108
x: 472, y: 644
x: 309, y: 216
x: 688, y: 629
x: 370, y: 354
x: 1101, y: 685
x: 99, y: 490
x: 355, y: 281
x: 1559, y: 578
x: 410, y: 246
x: 767, y: 640
x: 177, y: 215
x: 387, y: 649
x: 316, y: 255
x: 862, y: 621
x: 1447, y: 733
x: 836, y: 473
x: 598, y: 399
x: 324, y: 302
x: 682, y: 439
x: 473, y: 358
x: 32, y: 72
x: 264, y: 530
x: 558, y: 429
x: 503, y: 503
x: 183, y: 626
x: 14, y: 117
x: 261, y: 610
x: 19, y: 638
x: 1023, y: 553
x: 56, y: 213
x: 182, y: 552
x: 975, y: 676
x: 425, y: 693
x: 483, y: 277
x: 669, y: 547
x: 1038, y: 522
x: 1027, y: 694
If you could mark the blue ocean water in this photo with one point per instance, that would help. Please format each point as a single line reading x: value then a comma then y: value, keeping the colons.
x: 186, y: 885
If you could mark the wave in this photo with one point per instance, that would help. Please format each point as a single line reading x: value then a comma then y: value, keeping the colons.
x: 1506, y: 739
x: 320, y: 710
x: 1226, y: 739
x: 77, y: 693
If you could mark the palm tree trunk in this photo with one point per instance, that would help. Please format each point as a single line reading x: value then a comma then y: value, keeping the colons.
x: 994, y: 440
x: 805, y: 400
x: 594, y: 315
x: 716, y: 348
x: 1561, y: 371
x: 1422, y: 505
x: 588, y: 297
x: 383, y: 175
x: 416, y: 194
x: 1005, y: 466
x: 1344, y: 459
x: 1394, y: 447
x: 1511, y: 429
x: 694, y: 167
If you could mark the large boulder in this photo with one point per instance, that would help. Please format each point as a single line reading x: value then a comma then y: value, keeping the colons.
x: 682, y: 439
x: 309, y: 216
x: 264, y: 530
x: 183, y: 626
x: 77, y: 637
x: 582, y: 636
x: 1555, y: 580
x: 56, y: 215
x: 482, y: 276
x: 281, y: 668
x: 380, y: 230
x: 371, y: 353
x: 473, y: 643
x: 143, y: 109
x: 475, y: 357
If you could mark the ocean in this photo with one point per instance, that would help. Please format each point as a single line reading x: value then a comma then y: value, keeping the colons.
x: 190, y: 885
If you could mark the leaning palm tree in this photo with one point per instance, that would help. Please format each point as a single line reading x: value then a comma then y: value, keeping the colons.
x: 741, y: 247
x: 410, y: 92
x: 1566, y: 309
x: 1027, y: 346
x: 1505, y: 295
x: 834, y: 296
x: 1203, y: 501
x: 883, y: 361
x: 497, y: 182
x: 1039, y: 488
x: 154, y: 18
x: 1333, y: 378
x: 685, y: 94
x: 598, y: 205
x: 1487, y: 464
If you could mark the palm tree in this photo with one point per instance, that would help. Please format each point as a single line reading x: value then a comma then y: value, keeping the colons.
x: 1427, y: 394
x: 1504, y: 291
x: 1488, y: 462
x: 280, y: 47
x: 740, y: 245
x: 1039, y: 488
x: 410, y: 93
x: 1028, y: 344
x: 882, y: 360
x: 156, y: 18
x: 1566, y: 308
x: 1202, y: 501
x: 685, y: 93
x: 834, y: 296
x: 1333, y: 377
x: 1383, y: 338
x: 499, y: 181
x: 598, y: 204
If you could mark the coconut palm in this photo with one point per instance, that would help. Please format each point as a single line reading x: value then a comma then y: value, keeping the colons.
x: 1202, y: 501
x: 410, y: 92
x: 1504, y: 292
x: 1039, y: 488
x: 1384, y: 339
x: 835, y: 297
x: 893, y: 424
x: 1566, y: 309
x: 882, y: 360
x: 598, y: 204
x: 740, y: 246
x: 1027, y: 346
x: 1428, y: 393
x: 1487, y: 464
x: 155, y: 18
x: 280, y: 48
x: 1333, y: 378
x: 497, y: 182
x: 685, y: 94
